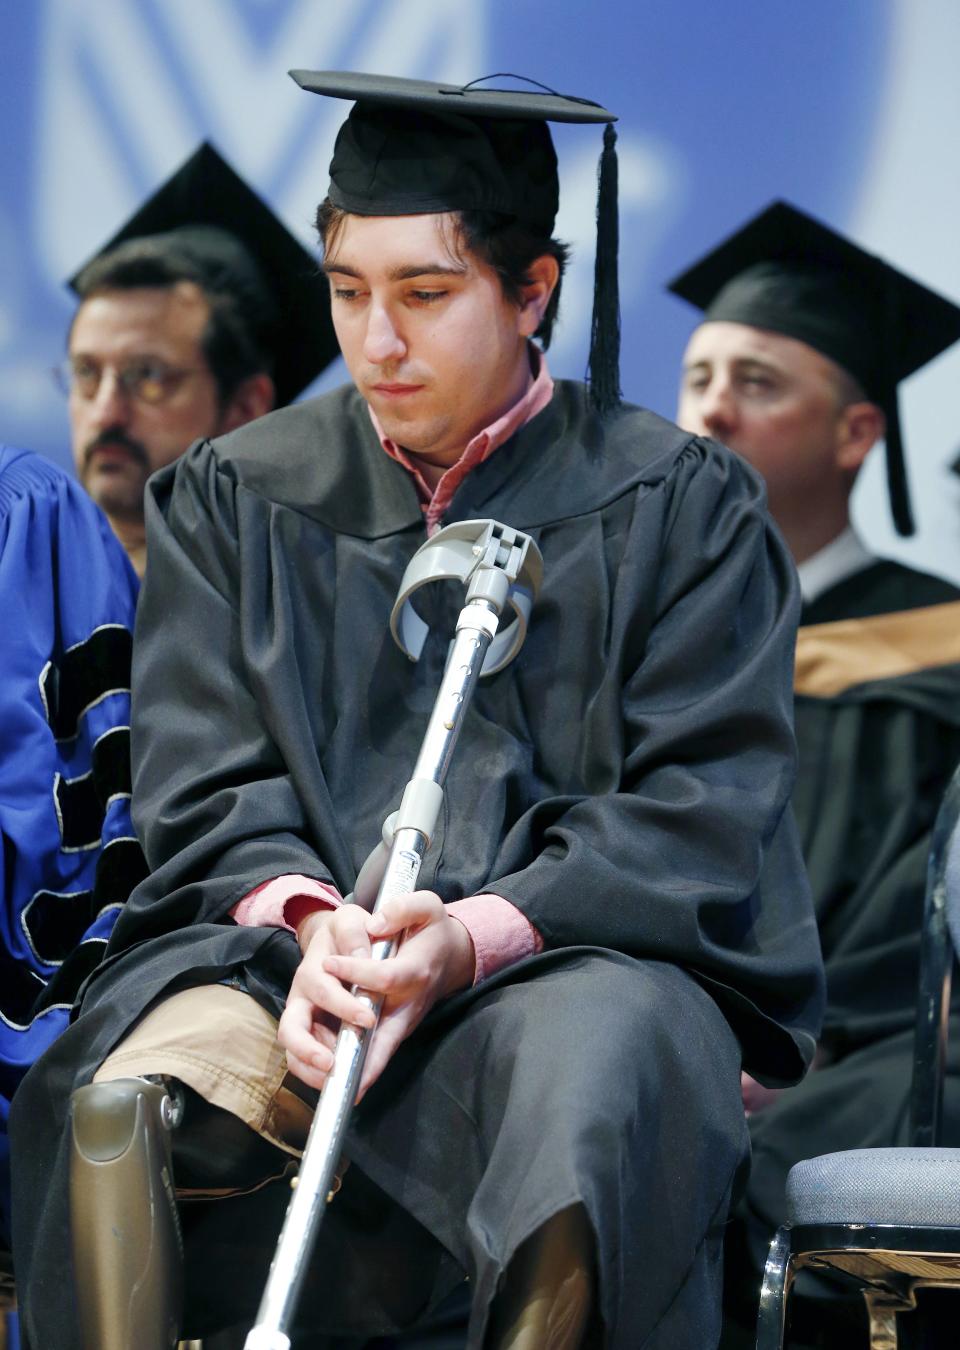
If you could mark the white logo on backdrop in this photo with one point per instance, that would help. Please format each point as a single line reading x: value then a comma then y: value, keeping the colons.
x: 127, y: 90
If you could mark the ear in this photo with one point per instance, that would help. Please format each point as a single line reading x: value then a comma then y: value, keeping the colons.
x: 252, y: 397
x: 544, y: 273
x: 860, y: 426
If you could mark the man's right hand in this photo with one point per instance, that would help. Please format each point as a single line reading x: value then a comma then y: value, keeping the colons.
x: 318, y: 1002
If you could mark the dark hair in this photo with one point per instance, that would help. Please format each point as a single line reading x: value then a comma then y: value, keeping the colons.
x: 498, y: 240
x: 239, y: 338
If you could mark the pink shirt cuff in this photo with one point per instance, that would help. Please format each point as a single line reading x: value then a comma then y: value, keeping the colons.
x: 283, y: 901
x: 500, y: 933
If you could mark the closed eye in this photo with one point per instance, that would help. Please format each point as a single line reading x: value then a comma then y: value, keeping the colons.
x: 757, y: 383
x: 696, y: 381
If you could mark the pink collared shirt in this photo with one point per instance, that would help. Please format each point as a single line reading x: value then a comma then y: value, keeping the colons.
x: 435, y: 501
x: 500, y: 933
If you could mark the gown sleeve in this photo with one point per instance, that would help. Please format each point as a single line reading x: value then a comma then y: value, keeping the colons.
x: 214, y: 801
x: 694, y: 859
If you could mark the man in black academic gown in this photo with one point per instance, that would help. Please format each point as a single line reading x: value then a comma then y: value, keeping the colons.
x: 201, y: 313
x: 795, y: 367
x: 613, y: 915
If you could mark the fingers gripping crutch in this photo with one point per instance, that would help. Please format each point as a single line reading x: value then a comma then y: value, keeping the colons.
x: 499, y: 567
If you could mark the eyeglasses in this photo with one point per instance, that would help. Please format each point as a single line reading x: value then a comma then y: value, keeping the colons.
x: 146, y: 381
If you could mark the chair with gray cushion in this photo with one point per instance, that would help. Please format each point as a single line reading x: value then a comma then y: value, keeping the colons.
x: 887, y: 1219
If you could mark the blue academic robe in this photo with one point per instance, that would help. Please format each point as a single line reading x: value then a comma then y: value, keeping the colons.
x: 67, y: 597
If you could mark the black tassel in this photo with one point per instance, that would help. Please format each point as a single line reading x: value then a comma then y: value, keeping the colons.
x: 604, y: 366
x: 897, y: 486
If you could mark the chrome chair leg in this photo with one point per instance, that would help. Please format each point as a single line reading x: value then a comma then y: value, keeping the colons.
x: 882, y: 1315
x: 777, y: 1278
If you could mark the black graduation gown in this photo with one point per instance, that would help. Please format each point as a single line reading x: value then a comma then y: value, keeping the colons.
x: 623, y: 782
x: 876, y: 755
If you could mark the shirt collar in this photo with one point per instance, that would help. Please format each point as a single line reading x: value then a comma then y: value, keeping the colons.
x: 435, y: 501
x: 843, y: 557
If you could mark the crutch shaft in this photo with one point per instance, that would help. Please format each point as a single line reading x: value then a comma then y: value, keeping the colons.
x: 475, y: 628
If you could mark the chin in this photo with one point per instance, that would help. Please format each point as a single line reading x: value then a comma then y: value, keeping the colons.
x: 116, y: 501
x: 414, y: 436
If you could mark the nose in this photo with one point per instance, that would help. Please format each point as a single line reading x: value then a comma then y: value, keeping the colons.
x: 717, y: 408
x: 383, y: 342
x: 110, y: 405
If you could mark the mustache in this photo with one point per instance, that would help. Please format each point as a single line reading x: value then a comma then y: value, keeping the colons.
x: 390, y: 375
x: 113, y: 436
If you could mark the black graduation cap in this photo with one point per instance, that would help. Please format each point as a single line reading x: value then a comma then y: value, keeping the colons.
x: 410, y: 147
x: 786, y: 272
x: 238, y: 244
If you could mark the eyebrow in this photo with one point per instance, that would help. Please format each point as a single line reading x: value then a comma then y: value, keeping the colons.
x: 399, y: 273
x: 135, y: 358
x: 748, y: 365
x: 738, y: 362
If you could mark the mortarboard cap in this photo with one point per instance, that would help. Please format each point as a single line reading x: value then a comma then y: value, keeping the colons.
x: 227, y: 232
x: 411, y: 147
x: 790, y: 274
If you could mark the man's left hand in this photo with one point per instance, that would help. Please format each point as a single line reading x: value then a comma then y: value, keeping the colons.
x: 756, y: 1097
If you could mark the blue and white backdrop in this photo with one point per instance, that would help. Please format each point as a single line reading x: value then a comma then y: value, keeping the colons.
x: 850, y: 108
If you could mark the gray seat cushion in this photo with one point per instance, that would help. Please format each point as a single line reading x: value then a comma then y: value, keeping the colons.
x: 918, y: 1186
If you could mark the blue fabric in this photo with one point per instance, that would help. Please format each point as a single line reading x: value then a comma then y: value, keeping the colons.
x: 67, y: 601
x: 906, y: 1187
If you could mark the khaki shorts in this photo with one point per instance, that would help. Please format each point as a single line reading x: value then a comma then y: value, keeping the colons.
x: 220, y: 1042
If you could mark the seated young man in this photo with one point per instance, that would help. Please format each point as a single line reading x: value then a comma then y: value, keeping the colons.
x: 613, y: 917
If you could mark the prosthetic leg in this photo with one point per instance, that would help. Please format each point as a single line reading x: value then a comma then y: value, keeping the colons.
x: 547, y: 1300
x: 127, y: 1250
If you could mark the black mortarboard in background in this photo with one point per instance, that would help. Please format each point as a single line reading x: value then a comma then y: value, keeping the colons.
x: 237, y: 244
x: 790, y: 274
x: 410, y: 147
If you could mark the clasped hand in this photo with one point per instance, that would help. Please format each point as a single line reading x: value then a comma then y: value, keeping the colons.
x: 434, y: 959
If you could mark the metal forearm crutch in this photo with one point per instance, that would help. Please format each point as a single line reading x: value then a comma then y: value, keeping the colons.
x: 499, y: 567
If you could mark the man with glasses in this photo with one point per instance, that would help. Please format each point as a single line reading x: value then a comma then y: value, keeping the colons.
x: 181, y: 334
